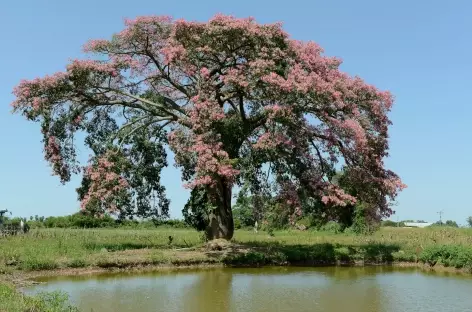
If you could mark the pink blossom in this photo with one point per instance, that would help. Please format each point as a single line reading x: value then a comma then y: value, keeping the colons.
x: 106, y: 184
x: 95, y: 45
x: 205, y: 72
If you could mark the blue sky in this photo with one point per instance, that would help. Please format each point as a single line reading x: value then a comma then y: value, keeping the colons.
x: 419, y: 50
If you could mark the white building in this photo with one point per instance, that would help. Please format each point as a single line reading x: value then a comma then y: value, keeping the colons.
x: 416, y: 224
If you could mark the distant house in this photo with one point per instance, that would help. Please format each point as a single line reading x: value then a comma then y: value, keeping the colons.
x: 417, y: 224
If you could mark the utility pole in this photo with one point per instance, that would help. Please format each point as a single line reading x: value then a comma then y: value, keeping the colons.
x: 440, y: 216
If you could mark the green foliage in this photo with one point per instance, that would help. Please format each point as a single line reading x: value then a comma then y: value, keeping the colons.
x: 78, y: 220
x: 456, y: 256
x: 255, y: 258
x: 362, y: 224
x: 305, y: 221
x: 77, y: 263
x: 195, y: 211
x: 157, y: 257
x: 390, y: 223
x: 469, y: 221
x: 13, y: 301
x: 85, y: 220
x: 141, y: 164
x: 243, y: 213
x: 449, y: 223
x: 363, y: 217
x: 332, y: 227
x: 237, y: 224
x: 276, y: 217
x: 172, y: 223
x: 38, y: 263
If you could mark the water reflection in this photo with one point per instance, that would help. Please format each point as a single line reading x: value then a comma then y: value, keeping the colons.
x: 379, y: 289
x: 212, y: 291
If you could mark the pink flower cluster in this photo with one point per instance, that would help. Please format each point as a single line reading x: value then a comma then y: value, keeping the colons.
x: 106, y: 182
x: 204, y: 113
x: 96, y: 45
x: 353, y: 129
x: 52, y: 153
x: 29, y: 92
x: 247, y: 25
x: 94, y: 66
x: 278, y: 111
x: 393, y: 185
x: 335, y: 196
x: 290, y: 199
x: 212, y: 163
x: 236, y: 76
x: 172, y: 52
x: 270, y: 141
x: 147, y: 21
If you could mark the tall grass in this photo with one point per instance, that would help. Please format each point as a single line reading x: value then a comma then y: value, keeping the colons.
x: 44, y: 249
x: 53, y: 248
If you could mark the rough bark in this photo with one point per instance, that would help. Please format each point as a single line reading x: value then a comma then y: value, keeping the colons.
x: 221, y: 223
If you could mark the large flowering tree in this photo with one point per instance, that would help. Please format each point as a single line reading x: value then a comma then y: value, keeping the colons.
x: 234, y: 100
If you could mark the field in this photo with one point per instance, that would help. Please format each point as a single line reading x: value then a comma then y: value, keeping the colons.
x: 59, y: 251
x: 49, y: 249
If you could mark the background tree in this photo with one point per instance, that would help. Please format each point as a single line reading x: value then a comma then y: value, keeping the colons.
x: 196, y: 211
x: 231, y: 98
x: 469, y: 221
x: 243, y: 210
x: 390, y: 223
x: 451, y: 223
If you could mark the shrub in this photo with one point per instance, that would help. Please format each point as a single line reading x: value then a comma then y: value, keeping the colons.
x: 37, y: 264
x: 78, y: 263
x: 457, y: 256
x: 332, y: 227
x: 389, y: 223
x: 11, y: 300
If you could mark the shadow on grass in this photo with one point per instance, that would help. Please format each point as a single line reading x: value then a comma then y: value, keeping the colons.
x: 276, y: 253
x: 120, y: 246
x: 114, y: 246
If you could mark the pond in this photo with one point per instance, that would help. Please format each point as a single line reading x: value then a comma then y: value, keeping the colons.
x: 353, y: 289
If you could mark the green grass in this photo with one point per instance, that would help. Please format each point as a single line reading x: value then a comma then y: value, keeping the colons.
x: 46, y: 249
x: 13, y: 301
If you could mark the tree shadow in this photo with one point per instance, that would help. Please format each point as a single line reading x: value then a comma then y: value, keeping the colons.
x: 326, y: 254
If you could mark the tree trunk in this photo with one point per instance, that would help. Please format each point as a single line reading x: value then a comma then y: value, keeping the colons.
x: 221, y: 223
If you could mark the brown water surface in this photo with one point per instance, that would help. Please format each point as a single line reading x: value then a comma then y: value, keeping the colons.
x: 331, y: 289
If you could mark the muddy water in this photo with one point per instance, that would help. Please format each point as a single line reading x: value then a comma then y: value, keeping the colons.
x: 376, y: 289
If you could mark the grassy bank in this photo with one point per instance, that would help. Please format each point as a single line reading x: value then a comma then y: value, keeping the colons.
x: 50, y: 249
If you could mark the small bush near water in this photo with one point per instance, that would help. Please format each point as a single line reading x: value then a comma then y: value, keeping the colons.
x: 456, y: 256
x: 13, y: 301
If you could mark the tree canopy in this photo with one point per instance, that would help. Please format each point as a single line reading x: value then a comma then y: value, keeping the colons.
x: 233, y: 99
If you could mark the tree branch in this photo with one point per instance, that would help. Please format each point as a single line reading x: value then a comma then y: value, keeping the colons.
x: 241, y: 108
x: 146, y: 101
x: 143, y: 126
x: 323, y: 169
x: 165, y: 76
